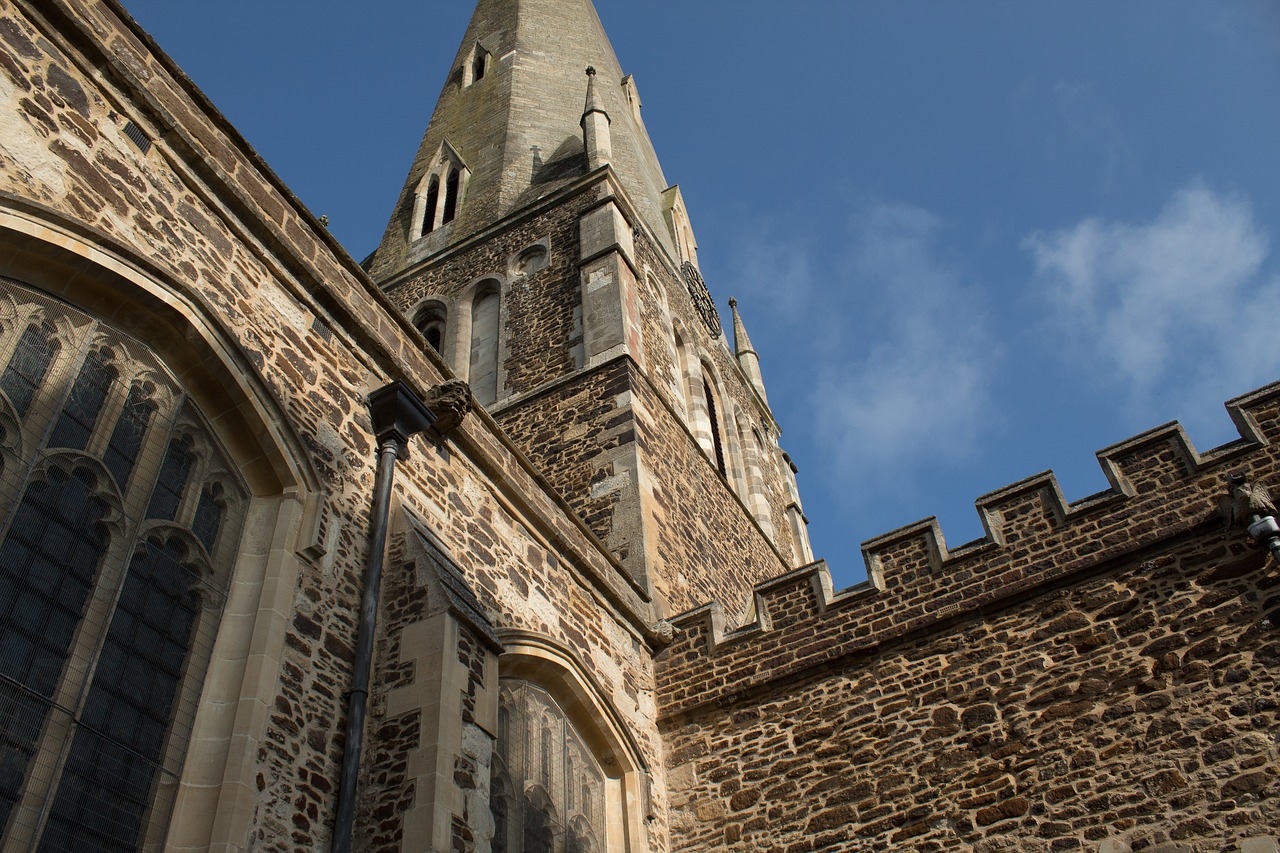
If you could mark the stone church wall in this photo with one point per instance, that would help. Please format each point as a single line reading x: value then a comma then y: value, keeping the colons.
x: 293, y: 336
x: 541, y: 310
x: 1099, y: 676
x: 659, y: 311
x: 715, y: 547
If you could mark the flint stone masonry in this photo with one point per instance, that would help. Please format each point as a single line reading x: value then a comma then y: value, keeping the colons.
x: 579, y: 426
x: 1095, y: 676
x: 297, y: 328
x: 1060, y: 688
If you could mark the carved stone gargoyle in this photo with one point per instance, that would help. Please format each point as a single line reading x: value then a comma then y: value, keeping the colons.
x: 1245, y: 501
x: 1249, y: 506
x: 450, y: 401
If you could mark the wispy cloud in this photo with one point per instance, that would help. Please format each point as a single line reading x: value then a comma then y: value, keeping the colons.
x: 1179, y: 310
x: 908, y: 393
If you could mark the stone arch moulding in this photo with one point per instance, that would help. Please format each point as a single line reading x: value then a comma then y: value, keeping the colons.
x: 95, y: 274
x: 682, y: 372
x: 530, y: 259
x: 553, y: 667
x: 430, y: 315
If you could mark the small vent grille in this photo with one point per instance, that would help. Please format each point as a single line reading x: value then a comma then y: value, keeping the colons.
x: 139, y: 137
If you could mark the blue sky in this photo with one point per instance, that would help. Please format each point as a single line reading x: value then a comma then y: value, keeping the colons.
x: 971, y: 241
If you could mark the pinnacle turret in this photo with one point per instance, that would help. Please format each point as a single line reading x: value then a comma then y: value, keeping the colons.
x: 745, y: 352
x: 595, y: 127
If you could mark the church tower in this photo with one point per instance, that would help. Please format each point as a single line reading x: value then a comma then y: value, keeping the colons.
x: 540, y: 250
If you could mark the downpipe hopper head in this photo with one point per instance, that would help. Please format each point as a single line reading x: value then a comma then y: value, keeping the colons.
x: 398, y: 414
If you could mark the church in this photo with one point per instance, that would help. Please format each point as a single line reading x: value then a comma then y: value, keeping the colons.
x: 488, y: 542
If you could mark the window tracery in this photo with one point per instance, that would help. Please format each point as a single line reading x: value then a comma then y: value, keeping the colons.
x: 118, y: 528
x: 548, y: 788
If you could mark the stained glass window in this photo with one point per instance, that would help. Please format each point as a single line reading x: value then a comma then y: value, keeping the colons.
x: 126, y: 440
x: 548, y: 788
x: 84, y: 404
x: 107, y: 612
x: 173, y: 479
x: 26, y: 368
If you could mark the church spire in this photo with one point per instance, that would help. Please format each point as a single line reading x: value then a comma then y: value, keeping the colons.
x: 746, y: 353
x: 510, y: 124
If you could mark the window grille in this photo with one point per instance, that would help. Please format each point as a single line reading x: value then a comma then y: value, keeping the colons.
x: 120, y: 515
x: 138, y: 137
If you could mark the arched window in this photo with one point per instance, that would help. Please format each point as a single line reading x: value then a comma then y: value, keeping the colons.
x: 430, y: 320
x: 483, y: 373
x: 680, y: 375
x: 429, y: 206
x: 450, y: 196
x: 445, y: 175
x: 759, y: 475
x: 117, y: 539
x: 548, y: 790
x: 475, y: 66
x: 716, y: 441
x: 34, y: 352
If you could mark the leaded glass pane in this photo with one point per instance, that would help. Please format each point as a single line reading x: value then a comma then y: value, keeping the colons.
x: 84, y: 404
x: 47, y: 567
x: 173, y: 479
x: 120, y: 742
x: 208, y: 517
x: 26, y: 369
x: 21, y: 716
x: 126, y: 439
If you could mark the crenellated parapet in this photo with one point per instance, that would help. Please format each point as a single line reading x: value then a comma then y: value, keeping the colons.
x: 1162, y: 489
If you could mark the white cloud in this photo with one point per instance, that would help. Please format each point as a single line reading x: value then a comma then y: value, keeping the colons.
x: 773, y: 270
x: 1178, y: 311
x: 912, y: 392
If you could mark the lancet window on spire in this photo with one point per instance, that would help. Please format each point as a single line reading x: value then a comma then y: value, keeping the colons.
x: 450, y: 197
x: 429, y: 209
x: 476, y: 65
x: 431, y: 212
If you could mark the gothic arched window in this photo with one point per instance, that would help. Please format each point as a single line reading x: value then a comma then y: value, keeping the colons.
x: 548, y: 789
x: 717, y: 442
x: 429, y: 207
x: 439, y: 192
x: 34, y: 352
x: 450, y: 196
x: 430, y: 320
x: 117, y: 537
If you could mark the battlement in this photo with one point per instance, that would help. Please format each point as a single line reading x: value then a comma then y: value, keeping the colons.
x: 1162, y: 488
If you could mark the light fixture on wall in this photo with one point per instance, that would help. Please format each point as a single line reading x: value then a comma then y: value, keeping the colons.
x: 1249, y: 505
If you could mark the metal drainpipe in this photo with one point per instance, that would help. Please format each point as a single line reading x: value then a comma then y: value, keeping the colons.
x: 397, y: 415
